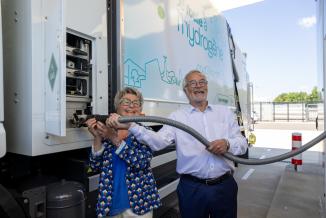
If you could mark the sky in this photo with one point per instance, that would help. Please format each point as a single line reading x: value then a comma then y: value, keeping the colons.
x: 279, y: 37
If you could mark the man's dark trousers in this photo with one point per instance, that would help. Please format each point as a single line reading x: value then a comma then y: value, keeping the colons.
x: 199, y: 200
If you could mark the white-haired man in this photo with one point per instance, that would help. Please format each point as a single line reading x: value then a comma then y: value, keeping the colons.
x: 207, y: 187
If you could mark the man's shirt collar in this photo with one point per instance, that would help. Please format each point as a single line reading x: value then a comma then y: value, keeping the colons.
x: 193, y: 109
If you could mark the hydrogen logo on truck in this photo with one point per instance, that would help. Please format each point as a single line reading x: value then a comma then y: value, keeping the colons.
x: 196, y: 32
x: 135, y: 74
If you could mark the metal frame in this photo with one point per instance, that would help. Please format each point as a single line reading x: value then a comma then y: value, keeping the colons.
x: 3, y: 145
x: 168, y: 189
x: 113, y: 52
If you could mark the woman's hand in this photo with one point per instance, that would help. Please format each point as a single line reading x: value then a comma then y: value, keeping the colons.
x: 100, y: 131
x: 92, y: 127
x: 113, y: 122
x: 108, y: 132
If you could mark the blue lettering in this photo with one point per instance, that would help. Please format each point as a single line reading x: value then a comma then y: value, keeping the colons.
x: 195, y: 36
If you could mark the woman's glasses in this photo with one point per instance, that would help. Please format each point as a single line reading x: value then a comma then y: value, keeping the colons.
x: 128, y: 102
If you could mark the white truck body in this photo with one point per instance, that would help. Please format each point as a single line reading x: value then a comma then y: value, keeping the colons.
x: 244, y: 91
x: 39, y: 113
x: 65, y: 59
x: 321, y: 64
x: 154, y: 56
x: 3, y: 145
x: 179, y: 37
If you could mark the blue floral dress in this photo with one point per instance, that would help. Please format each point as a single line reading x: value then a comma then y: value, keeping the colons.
x: 142, y: 191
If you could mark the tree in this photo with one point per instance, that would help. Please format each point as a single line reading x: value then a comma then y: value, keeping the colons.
x: 315, y: 95
x: 281, y: 98
x: 299, y: 96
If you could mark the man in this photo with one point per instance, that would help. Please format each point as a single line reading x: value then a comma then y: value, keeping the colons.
x: 207, y: 187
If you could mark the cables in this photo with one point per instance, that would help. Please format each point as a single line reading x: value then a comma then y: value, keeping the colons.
x: 227, y: 155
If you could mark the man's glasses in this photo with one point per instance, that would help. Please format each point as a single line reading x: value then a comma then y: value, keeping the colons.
x: 127, y: 102
x: 195, y: 83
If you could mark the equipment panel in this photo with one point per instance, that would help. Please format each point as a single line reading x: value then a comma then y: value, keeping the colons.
x: 78, y: 78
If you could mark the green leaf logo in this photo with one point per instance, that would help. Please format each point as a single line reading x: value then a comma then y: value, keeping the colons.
x: 161, y: 12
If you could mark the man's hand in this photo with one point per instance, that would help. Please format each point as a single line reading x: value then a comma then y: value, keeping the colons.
x: 219, y: 146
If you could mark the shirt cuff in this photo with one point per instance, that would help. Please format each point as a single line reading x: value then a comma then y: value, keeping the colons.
x: 97, y: 153
x: 233, y: 148
x: 136, y: 130
x: 133, y: 127
x: 121, y: 146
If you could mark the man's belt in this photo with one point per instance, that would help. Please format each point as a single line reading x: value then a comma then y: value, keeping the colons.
x: 212, y: 181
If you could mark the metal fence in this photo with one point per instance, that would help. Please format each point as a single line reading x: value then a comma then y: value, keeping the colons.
x: 272, y: 111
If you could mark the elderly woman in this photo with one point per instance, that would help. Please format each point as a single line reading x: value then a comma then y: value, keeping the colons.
x: 127, y: 187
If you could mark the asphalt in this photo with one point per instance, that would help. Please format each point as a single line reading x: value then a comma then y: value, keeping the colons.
x: 299, y: 194
x: 278, y: 190
x: 257, y: 185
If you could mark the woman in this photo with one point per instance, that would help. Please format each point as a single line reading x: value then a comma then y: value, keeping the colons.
x: 127, y: 187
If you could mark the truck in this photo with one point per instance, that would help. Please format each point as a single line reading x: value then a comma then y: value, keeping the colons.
x: 321, y: 68
x: 65, y: 60
x: 2, y: 130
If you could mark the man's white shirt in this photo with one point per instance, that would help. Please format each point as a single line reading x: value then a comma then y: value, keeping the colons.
x: 216, y: 122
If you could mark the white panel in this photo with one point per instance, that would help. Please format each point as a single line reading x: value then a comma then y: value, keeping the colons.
x: 2, y: 141
x: 168, y: 189
x: 154, y: 107
x: 2, y: 130
x: 89, y: 18
x: 224, y: 5
x: 178, y: 37
x: 323, y: 11
x: 1, y: 72
x: 18, y: 74
x: 163, y: 159
x: 242, y: 85
x: 55, y: 64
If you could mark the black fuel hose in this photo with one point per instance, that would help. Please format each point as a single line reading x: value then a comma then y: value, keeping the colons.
x: 227, y: 155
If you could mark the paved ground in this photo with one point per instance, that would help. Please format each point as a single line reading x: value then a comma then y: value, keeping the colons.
x: 257, y: 185
x: 276, y: 190
x: 279, y: 134
x: 298, y: 194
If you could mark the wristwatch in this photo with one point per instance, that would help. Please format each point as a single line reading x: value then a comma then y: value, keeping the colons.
x: 227, y: 144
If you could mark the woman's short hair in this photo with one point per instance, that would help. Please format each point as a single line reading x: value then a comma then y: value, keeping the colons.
x: 185, y: 79
x: 128, y: 90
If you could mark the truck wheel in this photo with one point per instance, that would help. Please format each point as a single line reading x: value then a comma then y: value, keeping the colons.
x: 9, y: 207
